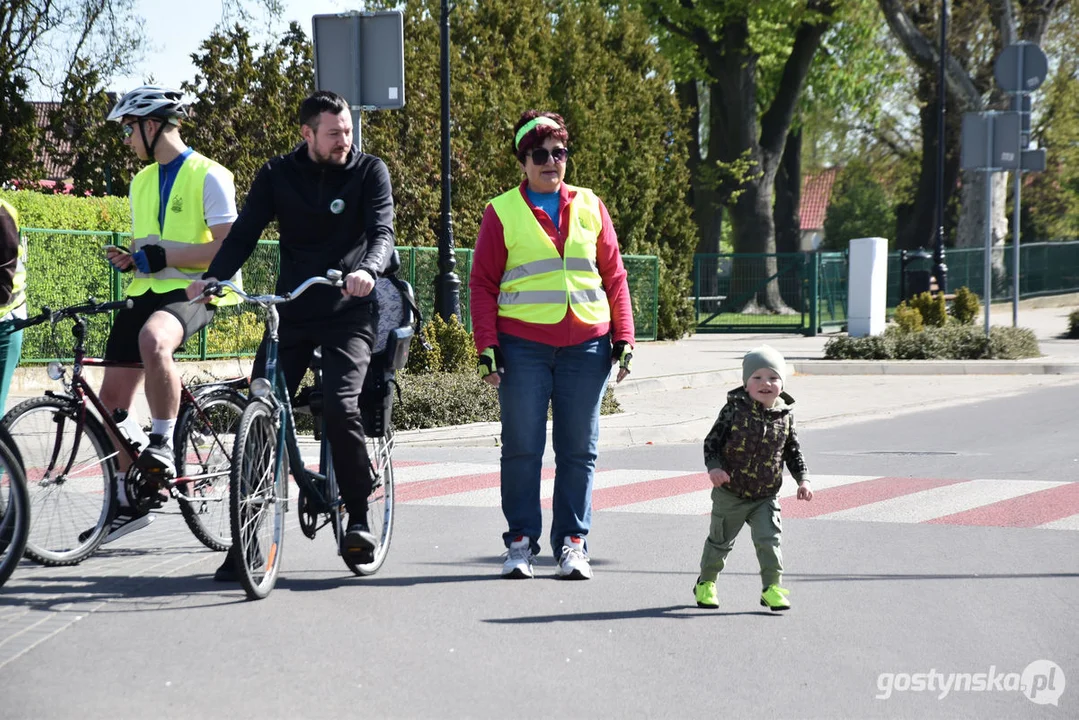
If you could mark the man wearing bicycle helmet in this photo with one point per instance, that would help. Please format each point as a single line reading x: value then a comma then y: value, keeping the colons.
x: 182, y: 206
x: 334, y: 210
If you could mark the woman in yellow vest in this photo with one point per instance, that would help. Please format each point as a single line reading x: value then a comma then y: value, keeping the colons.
x: 551, y: 313
x: 12, y: 296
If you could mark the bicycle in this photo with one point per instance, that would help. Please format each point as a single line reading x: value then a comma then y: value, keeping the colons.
x: 266, y: 448
x: 14, y: 509
x: 70, y: 454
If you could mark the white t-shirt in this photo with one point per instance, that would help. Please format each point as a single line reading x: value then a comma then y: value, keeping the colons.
x: 219, y: 197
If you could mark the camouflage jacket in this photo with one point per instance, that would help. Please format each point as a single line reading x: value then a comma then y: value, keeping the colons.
x: 751, y: 443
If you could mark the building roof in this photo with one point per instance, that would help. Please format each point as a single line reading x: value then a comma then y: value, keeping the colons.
x: 55, y: 169
x: 816, y: 192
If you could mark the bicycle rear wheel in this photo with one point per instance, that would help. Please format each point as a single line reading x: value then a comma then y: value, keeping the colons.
x: 69, y: 468
x: 258, y: 492
x: 14, y: 512
x: 204, y: 441
x: 379, y: 503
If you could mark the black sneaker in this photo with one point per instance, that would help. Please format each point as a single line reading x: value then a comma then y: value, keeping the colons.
x: 227, y: 572
x: 127, y: 520
x: 157, y: 458
x: 359, y: 543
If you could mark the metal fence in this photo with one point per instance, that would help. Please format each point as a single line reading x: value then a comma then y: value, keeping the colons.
x: 813, y: 286
x: 65, y: 267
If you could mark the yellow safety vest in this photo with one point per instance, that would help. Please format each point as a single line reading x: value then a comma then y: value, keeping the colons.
x: 185, y: 224
x: 18, y: 280
x: 538, y: 283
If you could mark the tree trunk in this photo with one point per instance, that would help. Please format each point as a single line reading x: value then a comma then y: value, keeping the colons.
x: 788, y: 192
x: 754, y: 281
x: 971, y: 233
x: 788, y: 195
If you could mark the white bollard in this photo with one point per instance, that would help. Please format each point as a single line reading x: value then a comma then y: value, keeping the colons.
x: 867, y: 287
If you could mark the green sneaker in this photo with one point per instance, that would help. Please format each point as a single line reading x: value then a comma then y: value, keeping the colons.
x: 775, y: 598
x: 705, y: 592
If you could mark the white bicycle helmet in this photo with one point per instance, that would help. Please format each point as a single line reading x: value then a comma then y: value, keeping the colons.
x: 150, y: 101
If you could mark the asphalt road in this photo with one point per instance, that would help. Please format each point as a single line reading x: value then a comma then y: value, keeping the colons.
x: 928, y: 566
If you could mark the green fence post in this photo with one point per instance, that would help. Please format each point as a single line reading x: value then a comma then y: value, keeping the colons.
x: 814, y: 294
x: 655, y: 298
x: 114, y: 276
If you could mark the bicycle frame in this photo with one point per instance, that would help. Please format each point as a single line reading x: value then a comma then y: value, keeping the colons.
x: 80, y: 391
x: 309, y: 481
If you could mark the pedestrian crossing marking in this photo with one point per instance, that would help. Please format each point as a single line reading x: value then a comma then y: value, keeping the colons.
x: 866, y: 498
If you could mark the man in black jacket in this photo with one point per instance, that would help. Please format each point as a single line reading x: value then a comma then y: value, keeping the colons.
x: 334, y: 209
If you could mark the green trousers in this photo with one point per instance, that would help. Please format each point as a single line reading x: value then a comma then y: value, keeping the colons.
x: 729, y: 514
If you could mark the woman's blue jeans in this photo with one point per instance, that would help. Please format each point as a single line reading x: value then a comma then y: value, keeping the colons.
x: 571, y: 380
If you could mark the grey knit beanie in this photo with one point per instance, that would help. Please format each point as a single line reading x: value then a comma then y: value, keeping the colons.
x: 764, y: 357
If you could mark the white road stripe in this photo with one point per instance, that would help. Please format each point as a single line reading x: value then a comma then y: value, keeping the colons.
x: 938, y: 502
x: 1068, y: 523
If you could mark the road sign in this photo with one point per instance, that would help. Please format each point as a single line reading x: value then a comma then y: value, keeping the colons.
x: 990, y: 141
x: 361, y: 56
x: 1023, y: 108
x: 1021, y: 67
x: 1033, y: 160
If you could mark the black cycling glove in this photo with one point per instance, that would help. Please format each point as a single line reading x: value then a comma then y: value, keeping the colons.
x: 150, y: 259
x: 490, y: 360
x: 622, y: 354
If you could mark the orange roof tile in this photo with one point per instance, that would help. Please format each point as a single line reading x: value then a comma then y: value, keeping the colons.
x: 816, y: 192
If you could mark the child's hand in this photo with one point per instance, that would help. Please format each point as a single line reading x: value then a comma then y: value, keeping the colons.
x: 805, y: 490
x: 719, y: 477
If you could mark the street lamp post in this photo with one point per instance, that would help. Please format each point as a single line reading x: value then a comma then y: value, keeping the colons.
x: 940, y: 270
x: 447, y: 284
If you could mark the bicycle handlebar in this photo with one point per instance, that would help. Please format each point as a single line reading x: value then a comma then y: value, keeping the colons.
x: 332, y: 277
x: 91, y: 307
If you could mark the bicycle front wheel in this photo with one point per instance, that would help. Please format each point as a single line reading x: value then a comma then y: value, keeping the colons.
x: 204, y: 442
x: 14, y: 512
x: 258, y: 492
x: 69, y: 468
x: 379, y: 503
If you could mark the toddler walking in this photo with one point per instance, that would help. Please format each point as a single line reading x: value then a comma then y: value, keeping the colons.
x: 745, y: 451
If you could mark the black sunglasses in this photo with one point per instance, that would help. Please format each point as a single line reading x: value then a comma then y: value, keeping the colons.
x: 540, y: 155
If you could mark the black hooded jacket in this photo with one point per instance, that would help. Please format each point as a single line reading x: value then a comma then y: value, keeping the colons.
x: 329, y: 217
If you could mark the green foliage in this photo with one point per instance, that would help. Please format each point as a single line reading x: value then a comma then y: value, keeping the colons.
x: 442, y: 399
x: 966, y: 308
x: 248, y: 99
x: 18, y: 129
x: 70, y: 212
x: 858, y: 208
x: 424, y: 360
x: 456, y: 345
x: 952, y: 342
x: 1073, y: 324
x: 81, y: 139
x: 1051, y: 203
x: 593, y: 63
x: 908, y: 319
x: 932, y: 308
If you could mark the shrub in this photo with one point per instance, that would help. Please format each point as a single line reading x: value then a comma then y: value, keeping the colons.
x: 441, y: 399
x: 966, y: 307
x: 1073, y: 324
x: 954, y: 342
x: 933, y: 310
x: 455, y: 344
x: 908, y: 319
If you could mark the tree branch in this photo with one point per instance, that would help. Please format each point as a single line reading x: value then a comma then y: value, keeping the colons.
x: 926, y: 55
x: 776, y: 121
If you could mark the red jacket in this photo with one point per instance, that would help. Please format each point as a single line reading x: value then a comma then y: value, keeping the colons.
x: 489, y: 263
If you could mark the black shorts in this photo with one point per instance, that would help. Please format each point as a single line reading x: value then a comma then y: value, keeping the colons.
x: 123, y: 343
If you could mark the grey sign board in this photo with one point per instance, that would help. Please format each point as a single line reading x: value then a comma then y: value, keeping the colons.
x: 361, y: 56
x: 1021, y: 67
x: 1033, y: 160
x: 990, y: 141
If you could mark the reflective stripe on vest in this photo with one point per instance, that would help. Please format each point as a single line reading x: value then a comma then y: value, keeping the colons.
x: 18, y: 278
x: 185, y: 224
x: 538, y: 284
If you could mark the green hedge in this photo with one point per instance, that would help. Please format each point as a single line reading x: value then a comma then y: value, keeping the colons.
x: 951, y: 342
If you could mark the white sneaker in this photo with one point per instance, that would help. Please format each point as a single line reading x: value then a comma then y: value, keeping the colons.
x: 573, y: 565
x: 518, y: 559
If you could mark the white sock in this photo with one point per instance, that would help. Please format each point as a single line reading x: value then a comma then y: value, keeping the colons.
x: 165, y: 428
